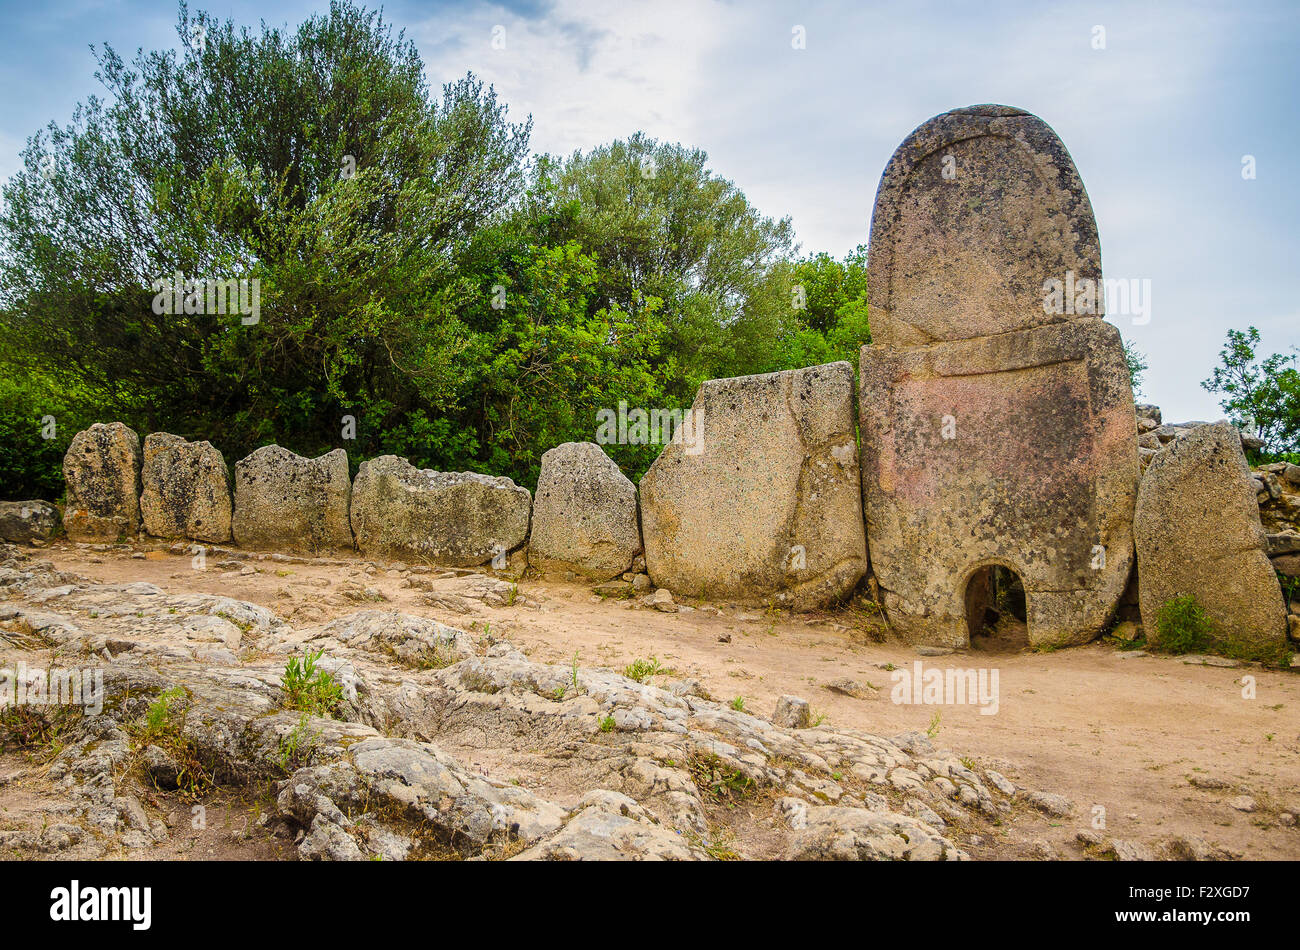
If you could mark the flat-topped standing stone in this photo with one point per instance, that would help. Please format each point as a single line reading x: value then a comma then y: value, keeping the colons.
x: 457, y: 519
x: 185, y: 489
x: 997, y: 417
x: 101, y: 471
x: 584, y: 513
x: 763, y: 504
x: 284, y: 502
x: 1199, y: 533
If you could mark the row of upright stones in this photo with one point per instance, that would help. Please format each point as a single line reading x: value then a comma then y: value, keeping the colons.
x: 584, y: 518
x: 994, y: 430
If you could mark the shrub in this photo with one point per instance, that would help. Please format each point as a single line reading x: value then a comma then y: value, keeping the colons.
x: 642, y: 670
x: 310, y: 689
x: 1183, y: 626
x: 31, y: 466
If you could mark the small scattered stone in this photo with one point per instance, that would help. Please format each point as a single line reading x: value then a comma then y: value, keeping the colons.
x: 1123, y: 850
x: 1196, y: 659
x: 851, y: 687
x: 792, y: 712
x: 1048, y: 803
x: 933, y: 651
x: 662, y: 599
x: 1043, y: 851
x: 1000, y: 782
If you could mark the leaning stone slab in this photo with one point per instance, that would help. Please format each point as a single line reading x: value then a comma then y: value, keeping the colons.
x: 1199, y: 533
x: 284, y: 502
x: 997, y: 416
x: 456, y: 519
x: 185, y: 490
x: 761, y: 502
x: 25, y: 521
x: 101, y: 471
x: 584, y: 514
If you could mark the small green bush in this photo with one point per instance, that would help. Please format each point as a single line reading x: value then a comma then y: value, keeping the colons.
x: 642, y: 670
x: 309, y: 689
x: 1183, y: 626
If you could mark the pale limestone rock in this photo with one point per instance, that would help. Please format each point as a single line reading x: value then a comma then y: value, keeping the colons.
x: 458, y: 519
x: 584, y: 514
x: 285, y: 502
x: 1199, y: 534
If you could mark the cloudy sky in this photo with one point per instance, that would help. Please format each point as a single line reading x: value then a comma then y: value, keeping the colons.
x: 1158, y: 103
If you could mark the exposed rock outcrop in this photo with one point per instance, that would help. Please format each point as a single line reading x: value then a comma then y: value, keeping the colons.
x: 382, y: 772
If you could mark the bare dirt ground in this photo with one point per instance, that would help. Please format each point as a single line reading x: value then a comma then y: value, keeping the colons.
x: 1127, y: 734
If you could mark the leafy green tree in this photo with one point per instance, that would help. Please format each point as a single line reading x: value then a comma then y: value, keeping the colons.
x: 830, y: 299
x: 1263, y: 394
x: 412, y: 269
x: 35, y: 429
x: 669, y: 234
x: 315, y: 161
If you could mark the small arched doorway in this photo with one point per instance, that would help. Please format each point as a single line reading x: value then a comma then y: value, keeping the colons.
x: 996, y: 610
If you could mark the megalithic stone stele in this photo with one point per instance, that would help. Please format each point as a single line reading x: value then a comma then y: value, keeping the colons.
x: 996, y: 409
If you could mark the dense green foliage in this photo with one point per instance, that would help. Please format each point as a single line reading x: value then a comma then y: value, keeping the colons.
x: 36, y: 426
x: 1263, y: 394
x: 468, y: 305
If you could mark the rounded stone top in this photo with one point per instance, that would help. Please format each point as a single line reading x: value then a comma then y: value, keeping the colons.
x: 980, y: 214
x: 988, y: 109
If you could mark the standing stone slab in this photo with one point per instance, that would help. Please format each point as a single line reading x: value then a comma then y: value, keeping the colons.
x: 284, y: 502
x: 185, y: 490
x: 584, y: 514
x: 764, y: 504
x: 26, y: 521
x: 457, y: 519
x: 1199, y: 533
x: 995, y: 430
x: 101, y: 471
